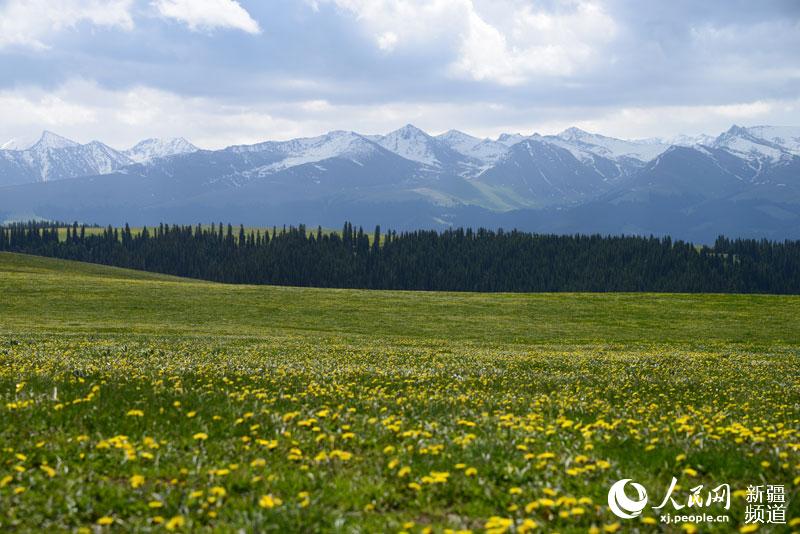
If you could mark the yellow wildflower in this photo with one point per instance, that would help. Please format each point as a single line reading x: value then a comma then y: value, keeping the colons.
x: 268, y: 501
x: 175, y: 523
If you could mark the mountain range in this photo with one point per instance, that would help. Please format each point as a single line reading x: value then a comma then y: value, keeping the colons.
x: 743, y: 182
x: 54, y: 157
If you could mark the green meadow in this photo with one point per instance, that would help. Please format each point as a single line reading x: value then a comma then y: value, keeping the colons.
x: 139, y: 402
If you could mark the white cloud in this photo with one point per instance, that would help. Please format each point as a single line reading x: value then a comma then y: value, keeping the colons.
x: 83, y: 111
x: 508, y: 42
x: 48, y: 110
x: 387, y: 41
x: 667, y: 121
x: 410, y: 22
x: 29, y: 22
x: 208, y: 14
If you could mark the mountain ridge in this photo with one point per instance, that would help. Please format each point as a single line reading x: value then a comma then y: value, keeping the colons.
x: 408, y: 177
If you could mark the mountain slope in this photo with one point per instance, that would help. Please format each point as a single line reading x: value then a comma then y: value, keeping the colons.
x: 536, y: 173
x: 694, y: 173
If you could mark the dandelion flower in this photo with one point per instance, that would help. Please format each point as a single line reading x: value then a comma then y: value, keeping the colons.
x: 48, y: 470
x: 268, y: 501
x: 498, y: 525
x: 175, y: 523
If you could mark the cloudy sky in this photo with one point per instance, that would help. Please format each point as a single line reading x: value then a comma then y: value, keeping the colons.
x: 221, y: 72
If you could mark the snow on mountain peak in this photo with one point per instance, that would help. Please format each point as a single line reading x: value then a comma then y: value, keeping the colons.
x: 690, y: 140
x: 737, y: 130
x: 746, y: 143
x: 410, y: 129
x: 49, y: 140
x: 510, y: 139
x: 582, y: 143
x: 338, y: 143
x: 411, y: 143
x: 788, y: 137
x: 574, y: 134
x: 456, y: 137
x: 484, y: 150
x: 18, y: 144
x: 153, y: 148
x: 56, y: 157
x: 335, y: 144
x: 459, y: 141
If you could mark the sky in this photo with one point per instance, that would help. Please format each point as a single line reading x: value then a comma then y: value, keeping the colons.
x: 223, y: 72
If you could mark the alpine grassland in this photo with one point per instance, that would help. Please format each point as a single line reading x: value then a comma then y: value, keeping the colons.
x: 136, y: 402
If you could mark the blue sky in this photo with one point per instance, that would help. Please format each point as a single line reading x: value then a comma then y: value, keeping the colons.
x: 220, y: 72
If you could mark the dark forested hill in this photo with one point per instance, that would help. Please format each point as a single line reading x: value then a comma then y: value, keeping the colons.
x: 453, y: 260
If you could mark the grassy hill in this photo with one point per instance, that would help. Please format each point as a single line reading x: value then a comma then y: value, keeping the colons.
x: 42, y: 294
x: 138, y: 402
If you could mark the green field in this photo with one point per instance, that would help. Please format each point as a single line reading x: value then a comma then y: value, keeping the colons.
x: 137, y: 402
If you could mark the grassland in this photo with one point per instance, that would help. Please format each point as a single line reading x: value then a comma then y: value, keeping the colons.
x: 139, y: 402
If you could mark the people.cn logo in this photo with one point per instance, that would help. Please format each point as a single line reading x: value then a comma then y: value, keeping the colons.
x: 621, y: 504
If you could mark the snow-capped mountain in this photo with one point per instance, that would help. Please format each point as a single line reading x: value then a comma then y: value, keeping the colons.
x: 537, y: 173
x: 688, y: 140
x: 572, y: 181
x: 510, y: 139
x: 580, y: 142
x: 155, y: 148
x: 413, y: 144
x: 486, y: 151
x: 306, y: 149
x: 787, y: 137
x: 337, y: 144
x: 18, y: 143
x: 746, y: 143
x: 54, y: 158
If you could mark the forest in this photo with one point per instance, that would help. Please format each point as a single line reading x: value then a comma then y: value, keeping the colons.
x: 451, y: 260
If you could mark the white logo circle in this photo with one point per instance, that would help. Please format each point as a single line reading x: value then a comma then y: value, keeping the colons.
x: 621, y: 505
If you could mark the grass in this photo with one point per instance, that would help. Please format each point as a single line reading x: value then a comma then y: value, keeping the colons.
x: 151, y: 402
x: 43, y: 294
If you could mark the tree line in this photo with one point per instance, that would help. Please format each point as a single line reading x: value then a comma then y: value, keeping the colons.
x: 450, y: 260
